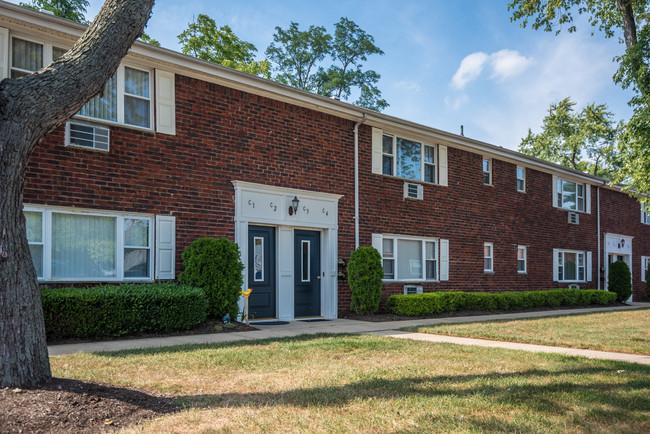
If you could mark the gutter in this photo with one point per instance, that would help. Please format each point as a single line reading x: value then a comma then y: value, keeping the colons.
x: 598, y: 218
x: 356, y: 181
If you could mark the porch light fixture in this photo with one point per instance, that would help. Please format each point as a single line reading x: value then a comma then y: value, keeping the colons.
x: 293, y: 209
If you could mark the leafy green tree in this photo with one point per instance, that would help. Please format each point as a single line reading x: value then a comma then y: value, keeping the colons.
x: 298, y: 56
x: 74, y: 10
x: 584, y: 141
x: 203, y: 39
x: 149, y: 40
x: 631, y: 18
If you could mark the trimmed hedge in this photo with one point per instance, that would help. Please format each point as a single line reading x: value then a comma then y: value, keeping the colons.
x: 121, y: 310
x: 620, y: 280
x: 437, y: 302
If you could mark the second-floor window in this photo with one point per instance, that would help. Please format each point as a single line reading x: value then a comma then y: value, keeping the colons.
x: 408, y: 159
x: 521, y: 178
x: 487, y: 171
x: 570, y: 195
x: 645, y: 214
x: 28, y: 56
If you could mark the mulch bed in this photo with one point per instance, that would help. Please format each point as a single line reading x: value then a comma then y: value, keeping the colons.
x: 63, y: 405
x: 208, y: 327
x: 385, y: 316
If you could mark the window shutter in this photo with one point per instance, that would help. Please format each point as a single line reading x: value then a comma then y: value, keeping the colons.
x: 377, y: 150
x: 165, y: 246
x: 444, y: 260
x: 642, y: 219
x: 4, y: 53
x: 588, y: 265
x: 165, y: 102
x: 377, y: 243
x: 556, y: 277
x: 588, y: 198
x: 643, y: 266
x: 555, y: 204
x: 442, y: 166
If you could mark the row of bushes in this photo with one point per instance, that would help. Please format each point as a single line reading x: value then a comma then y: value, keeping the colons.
x: 121, y: 310
x: 438, y: 302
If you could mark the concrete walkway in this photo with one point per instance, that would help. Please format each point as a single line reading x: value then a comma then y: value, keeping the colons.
x: 387, y: 328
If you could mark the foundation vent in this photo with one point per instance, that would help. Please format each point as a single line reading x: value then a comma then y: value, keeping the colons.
x: 412, y: 289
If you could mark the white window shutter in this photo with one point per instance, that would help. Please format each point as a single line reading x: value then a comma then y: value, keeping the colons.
x: 555, y: 204
x: 588, y: 198
x: 377, y: 243
x: 643, y: 268
x: 444, y: 260
x: 165, y: 102
x: 4, y: 53
x: 165, y: 246
x: 377, y: 137
x: 588, y: 264
x: 556, y: 275
x: 443, y: 178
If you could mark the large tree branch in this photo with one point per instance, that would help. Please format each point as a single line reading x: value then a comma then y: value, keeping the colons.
x: 629, y: 24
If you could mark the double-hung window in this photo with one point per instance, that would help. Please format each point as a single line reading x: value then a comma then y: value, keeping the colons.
x: 408, y: 159
x: 126, y: 99
x: 29, y: 56
x: 521, y: 179
x: 409, y: 259
x: 645, y: 214
x: 488, y: 257
x: 570, y: 195
x: 571, y: 266
x: 487, y: 171
x: 74, y: 246
x: 521, y: 259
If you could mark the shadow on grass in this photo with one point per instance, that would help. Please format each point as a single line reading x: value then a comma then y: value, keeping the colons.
x: 533, y: 397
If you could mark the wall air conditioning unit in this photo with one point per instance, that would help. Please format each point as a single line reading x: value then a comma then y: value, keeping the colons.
x: 574, y: 286
x: 86, y: 135
x: 413, y: 191
x: 574, y: 218
x: 412, y: 289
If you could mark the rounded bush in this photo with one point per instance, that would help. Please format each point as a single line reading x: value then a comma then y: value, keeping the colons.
x: 365, y: 274
x: 620, y: 280
x: 215, y: 266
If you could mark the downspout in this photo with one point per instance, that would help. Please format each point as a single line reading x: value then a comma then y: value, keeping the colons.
x: 598, y: 218
x: 356, y: 181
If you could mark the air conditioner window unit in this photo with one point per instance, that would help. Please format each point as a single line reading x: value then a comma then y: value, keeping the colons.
x: 574, y: 286
x: 413, y: 191
x: 87, y: 135
x: 412, y: 289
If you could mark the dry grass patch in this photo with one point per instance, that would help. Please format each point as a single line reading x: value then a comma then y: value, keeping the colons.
x: 622, y: 331
x: 374, y: 384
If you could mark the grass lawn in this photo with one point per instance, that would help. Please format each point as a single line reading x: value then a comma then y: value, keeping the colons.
x: 624, y: 331
x: 374, y: 384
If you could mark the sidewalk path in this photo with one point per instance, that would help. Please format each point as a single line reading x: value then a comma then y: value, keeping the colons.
x: 387, y: 328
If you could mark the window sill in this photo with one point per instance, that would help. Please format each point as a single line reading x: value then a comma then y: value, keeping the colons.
x: 409, y: 281
x: 113, y: 124
x: 522, y: 272
x: 398, y: 178
x: 488, y: 185
x: 488, y: 272
x: 96, y: 280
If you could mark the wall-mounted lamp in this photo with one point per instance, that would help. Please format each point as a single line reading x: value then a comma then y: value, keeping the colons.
x: 293, y: 209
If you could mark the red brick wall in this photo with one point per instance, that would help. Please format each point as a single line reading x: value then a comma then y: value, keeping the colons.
x: 225, y: 134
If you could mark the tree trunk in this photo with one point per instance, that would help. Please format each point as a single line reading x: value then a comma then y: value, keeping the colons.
x: 629, y: 24
x: 30, y: 108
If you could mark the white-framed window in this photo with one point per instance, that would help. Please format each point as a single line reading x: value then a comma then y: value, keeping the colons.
x: 28, y: 56
x: 408, y: 159
x: 487, y: 171
x: 521, y: 259
x: 488, y: 257
x: 521, y: 179
x: 126, y: 99
x: 645, y: 264
x: 570, y: 195
x: 409, y: 259
x: 571, y: 266
x: 72, y: 245
x: 645, y: 214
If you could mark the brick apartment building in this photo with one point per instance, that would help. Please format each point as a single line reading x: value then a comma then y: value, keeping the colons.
x: 177, y: 148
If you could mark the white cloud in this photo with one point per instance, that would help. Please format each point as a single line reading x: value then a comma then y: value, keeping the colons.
x: 408, y: 86
x: 470, y: 68
x: 457, y: 102
x: 508, y: 63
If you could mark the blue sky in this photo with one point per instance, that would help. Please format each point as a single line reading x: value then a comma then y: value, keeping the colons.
x: 446, y: 63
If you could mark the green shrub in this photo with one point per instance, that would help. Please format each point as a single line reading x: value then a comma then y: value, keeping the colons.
x: 437, y: 302
x: 215, y: 266
x: 620, y: 280
x: 365, y: 274
x: 121, y: 310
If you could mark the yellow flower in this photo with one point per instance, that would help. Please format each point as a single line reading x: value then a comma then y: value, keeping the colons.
x: 246, y: 293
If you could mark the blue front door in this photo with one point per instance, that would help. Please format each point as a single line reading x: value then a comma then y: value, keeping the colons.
x: 261, y: 272
x: 307, y: 273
